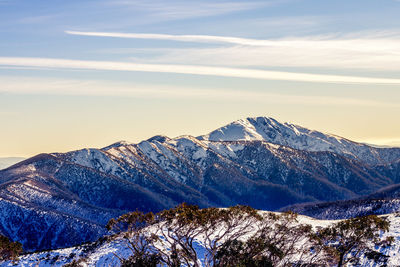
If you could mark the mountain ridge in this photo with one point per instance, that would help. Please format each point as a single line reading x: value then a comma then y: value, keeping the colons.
x: 269, y: 129
x: 161, y: 172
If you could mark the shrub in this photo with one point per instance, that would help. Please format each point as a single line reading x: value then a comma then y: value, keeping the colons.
x: 9, y: 250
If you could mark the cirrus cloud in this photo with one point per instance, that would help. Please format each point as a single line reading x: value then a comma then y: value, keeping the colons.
x: 367, y: 50
x: 190, y: 69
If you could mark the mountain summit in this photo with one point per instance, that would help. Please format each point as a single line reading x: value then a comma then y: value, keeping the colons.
x: 294, y: 136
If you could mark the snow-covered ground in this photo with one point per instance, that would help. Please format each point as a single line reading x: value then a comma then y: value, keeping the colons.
x: 103, y: 253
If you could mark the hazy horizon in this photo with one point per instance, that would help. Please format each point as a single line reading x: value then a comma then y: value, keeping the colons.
x: 372, y: 142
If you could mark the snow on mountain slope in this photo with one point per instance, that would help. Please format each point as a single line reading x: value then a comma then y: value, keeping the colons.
x: 37, y: 227
x: 102, y: 252
x: 97, y: 184
x: 41, y: 213
x: 186, y: 158
x: 270, y: 130
x: 347, y: 209
x: 384, y: 201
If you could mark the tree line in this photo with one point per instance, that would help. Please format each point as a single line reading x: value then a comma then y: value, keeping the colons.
x: 241, y: 236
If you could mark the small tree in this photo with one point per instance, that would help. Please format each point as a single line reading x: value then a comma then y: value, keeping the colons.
x: 9, y: 250
x: 141, y: 244
x: 170, y: 229
x: 349, y: 239
x: 236, y: 253
x: 178, y: 230
x: 183, y: 226
x: 280, y: 241
x: 223, y: 225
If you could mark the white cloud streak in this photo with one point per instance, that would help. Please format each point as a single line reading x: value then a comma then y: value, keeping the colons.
x: 29, y: 85
x: 190, y: 69
x: 181, y: 38
x: 375, y: 51
x: 362, y: 43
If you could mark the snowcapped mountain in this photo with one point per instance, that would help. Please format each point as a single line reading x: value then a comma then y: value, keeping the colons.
x: 264, y: 164
x: 40, y: 212
x: 7, y: 162
x: 270, y: 130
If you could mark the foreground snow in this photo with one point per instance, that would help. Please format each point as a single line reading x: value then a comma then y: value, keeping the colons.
x: 103, y: 253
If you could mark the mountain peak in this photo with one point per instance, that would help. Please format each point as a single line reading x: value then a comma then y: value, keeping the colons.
x: 263, y: 119
x: 158, y: 138
x: 270, y: 130
x: 117, y: 144
x: 249, y: 129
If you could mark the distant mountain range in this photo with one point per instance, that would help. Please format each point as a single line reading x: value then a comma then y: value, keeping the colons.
x: 7, y: 162
x: 61, y: 199
x: 385, y: 201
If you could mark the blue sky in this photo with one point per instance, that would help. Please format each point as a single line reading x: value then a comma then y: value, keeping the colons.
x: 88, y: 73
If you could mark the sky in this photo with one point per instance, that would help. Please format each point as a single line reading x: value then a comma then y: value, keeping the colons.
x: 76, y: 74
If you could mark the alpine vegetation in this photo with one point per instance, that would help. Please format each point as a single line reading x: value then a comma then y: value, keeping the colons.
x: 242, y: 236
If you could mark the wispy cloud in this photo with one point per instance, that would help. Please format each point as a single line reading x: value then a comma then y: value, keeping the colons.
x: 368, y: 50
x: 182, y: 38
x: 365, y: 42
x: 191, y: 69
x: 29, y: 85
